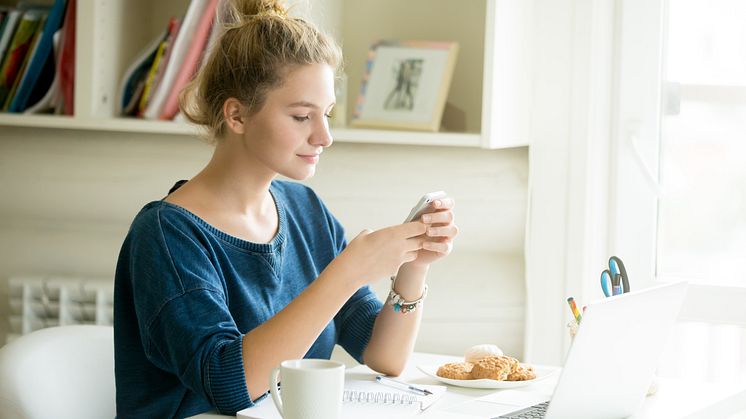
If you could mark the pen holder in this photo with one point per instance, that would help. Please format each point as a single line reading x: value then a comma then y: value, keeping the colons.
x: 572, y: 329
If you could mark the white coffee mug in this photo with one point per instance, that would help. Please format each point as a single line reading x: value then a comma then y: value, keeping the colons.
x: 311, y: 388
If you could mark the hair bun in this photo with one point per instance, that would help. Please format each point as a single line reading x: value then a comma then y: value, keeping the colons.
x: 242, y: 11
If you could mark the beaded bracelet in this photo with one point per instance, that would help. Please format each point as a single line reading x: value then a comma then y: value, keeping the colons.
x: 400, y: 304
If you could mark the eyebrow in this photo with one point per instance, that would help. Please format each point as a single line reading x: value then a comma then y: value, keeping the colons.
x: 303, y: 104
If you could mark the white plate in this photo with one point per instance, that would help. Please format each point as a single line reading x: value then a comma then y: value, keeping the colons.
x: 541, y: 373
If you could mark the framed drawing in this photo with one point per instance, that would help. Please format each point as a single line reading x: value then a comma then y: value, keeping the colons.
x: 405, y: 85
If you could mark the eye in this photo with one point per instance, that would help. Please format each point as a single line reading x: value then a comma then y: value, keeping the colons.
x: 301, y: 118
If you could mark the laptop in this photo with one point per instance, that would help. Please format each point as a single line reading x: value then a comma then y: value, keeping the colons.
x: 613, y: 357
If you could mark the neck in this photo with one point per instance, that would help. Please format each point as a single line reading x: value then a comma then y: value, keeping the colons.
x: 236, y: 182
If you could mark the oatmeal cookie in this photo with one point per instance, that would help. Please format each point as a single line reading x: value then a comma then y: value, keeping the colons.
x: 494, y: 367
x: 522, y: 373
x: 455, y: 371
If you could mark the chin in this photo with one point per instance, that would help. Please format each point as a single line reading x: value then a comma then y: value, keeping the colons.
x: 300, y: 175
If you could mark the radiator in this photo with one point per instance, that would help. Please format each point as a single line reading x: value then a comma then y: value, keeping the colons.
x: 38, y: 302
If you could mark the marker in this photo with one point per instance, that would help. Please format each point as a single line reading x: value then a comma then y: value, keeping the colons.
x: 402, y: 385
x: 574, y: 308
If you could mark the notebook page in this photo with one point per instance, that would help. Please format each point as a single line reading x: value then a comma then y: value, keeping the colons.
x: 361, y: 382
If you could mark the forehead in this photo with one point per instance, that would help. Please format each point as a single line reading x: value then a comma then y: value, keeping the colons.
x: 312, y: 83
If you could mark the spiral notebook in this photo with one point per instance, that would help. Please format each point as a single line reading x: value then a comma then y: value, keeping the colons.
x: 363, y: 398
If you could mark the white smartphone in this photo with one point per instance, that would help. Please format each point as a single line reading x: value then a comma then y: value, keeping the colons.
x: 423, y: 206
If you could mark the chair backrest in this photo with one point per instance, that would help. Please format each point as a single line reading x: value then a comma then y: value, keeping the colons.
x: 59, y: 372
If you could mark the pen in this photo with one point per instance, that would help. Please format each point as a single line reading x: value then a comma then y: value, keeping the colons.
x: 402, y: 385
x: 574, y: 309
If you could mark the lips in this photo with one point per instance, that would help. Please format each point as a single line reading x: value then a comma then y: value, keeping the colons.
x: 309, y: 158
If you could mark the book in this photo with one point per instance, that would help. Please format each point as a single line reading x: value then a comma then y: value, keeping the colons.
x: 191, y: 60
x: 363, y: 398
x: 65, y: 71
x: 23, y: 71
x: 180, y: 49
x: 151, y: 76
x: 39, y: 57
x: 47, y: 75
x: 48, y: 99
x: 152, y: 80
x: 215, y: 31
x: 19, y: 45
x: 9, y: 28
x: 133, y: 82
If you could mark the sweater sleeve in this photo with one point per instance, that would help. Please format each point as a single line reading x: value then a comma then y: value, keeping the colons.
x: 355, y: 322
x: 184, y: 320
x: 356, y: 318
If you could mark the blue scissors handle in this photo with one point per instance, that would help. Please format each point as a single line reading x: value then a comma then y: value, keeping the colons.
x: 606, y: 283
x: 616, y: 266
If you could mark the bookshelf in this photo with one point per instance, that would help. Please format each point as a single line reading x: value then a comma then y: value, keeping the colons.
x: 488, y: 102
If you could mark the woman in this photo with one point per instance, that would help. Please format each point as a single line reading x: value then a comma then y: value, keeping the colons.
x: 235, y: 271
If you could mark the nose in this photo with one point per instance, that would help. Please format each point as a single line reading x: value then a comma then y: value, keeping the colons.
x: 321, y: 135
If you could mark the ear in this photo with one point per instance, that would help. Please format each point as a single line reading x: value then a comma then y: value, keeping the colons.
x: 234, y: 114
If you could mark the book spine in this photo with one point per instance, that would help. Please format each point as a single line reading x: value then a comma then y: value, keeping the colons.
x: 17, y: 52
x: 23, y: 71
x: 38, y: 58
x: 151, y: 77
x: 181, y: 45
x: 66, y: 64
x: 192, y: 58
x: 8, y: 31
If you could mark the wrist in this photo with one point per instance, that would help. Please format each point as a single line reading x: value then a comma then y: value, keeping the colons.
x: 402, y: 304
x: 410, y: 281
x: 344, y: 274
x: 413, y: 271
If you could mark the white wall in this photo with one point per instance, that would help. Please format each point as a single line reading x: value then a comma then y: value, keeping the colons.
x: 67, y: 198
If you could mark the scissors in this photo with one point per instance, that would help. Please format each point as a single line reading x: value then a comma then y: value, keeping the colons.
x: 614, y: 281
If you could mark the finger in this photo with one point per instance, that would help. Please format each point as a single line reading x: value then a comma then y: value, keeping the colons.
x: 414, y: 244
x: 440, y: 217
x: 365, y: 232
x: 410, y: 256
x: 449, y: 231
x: 412, y: 229
x: 444, y: 203
x: 439, y: 247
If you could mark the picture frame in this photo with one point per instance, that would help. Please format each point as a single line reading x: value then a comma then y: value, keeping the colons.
x: 405, y: 85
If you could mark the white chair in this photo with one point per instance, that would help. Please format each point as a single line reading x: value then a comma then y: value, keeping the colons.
x: 59, y: 372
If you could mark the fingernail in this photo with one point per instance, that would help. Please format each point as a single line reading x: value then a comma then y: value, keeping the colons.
x: 437, y: 203
x: 425, y: 218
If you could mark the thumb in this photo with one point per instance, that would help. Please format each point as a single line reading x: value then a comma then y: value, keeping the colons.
x: 365, y: 232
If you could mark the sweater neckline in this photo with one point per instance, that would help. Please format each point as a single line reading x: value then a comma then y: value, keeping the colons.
x: 272, y: 246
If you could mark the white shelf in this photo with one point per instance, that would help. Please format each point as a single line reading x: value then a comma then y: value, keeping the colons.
x: 489, y: 97
x: 345, y: 135
x: 97, y: 124
x: 356, y: 135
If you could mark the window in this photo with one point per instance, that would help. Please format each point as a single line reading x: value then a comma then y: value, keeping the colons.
x: 681, y: 128
x: 702, y: 210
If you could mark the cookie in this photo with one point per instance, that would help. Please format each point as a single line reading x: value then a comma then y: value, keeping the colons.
x: 494, y: 368
x: 522, y: 373
x: 455, y: 371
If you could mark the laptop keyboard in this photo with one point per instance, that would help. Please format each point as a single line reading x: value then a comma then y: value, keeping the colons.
x: 536, y: 411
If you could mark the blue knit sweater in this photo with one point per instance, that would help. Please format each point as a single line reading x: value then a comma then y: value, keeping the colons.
x: 186, y: 293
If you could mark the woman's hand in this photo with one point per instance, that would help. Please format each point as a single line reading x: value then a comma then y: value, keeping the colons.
x: 441, y: 230
x: 373, y: 255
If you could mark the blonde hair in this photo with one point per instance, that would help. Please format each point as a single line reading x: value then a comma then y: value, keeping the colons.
x: 259, y: 46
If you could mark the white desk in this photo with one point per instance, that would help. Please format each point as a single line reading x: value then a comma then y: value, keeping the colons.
x: 675, y: 399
